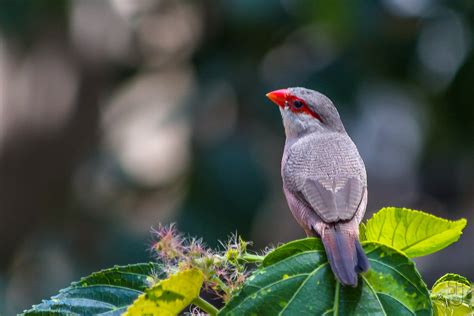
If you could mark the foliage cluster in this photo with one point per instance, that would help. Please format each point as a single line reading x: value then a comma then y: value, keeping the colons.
x: 292, y: 279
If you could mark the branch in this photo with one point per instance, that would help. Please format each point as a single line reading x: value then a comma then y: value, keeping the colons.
x: 205, y: 306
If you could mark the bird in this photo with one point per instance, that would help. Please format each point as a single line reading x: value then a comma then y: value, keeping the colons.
x: 324, y: 178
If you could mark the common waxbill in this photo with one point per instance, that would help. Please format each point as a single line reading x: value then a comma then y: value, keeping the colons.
x: 324, y: 178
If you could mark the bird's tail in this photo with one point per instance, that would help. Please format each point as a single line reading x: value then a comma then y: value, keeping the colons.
x: 345, y: 254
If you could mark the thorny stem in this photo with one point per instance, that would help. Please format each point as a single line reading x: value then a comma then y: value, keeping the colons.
x: 205, y: 306
x: 250, y: 258
x: 246, y: 257
x: 223, y: 286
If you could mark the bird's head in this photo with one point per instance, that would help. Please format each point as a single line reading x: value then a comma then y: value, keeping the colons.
x: 306, y: 111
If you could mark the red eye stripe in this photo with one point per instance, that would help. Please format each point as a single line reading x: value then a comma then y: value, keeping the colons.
x: 302, y: 109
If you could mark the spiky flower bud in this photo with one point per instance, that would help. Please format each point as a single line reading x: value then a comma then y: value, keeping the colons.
x: 224, y: 271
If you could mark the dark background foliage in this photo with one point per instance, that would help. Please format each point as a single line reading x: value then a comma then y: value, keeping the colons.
x: 117, y: 115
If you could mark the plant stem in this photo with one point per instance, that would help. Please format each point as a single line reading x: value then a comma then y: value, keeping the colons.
x: 223, y: 286
x: 248, y: 257
x: 205, y: 306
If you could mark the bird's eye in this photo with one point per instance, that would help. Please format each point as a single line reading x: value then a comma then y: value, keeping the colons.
x: 297, y: 104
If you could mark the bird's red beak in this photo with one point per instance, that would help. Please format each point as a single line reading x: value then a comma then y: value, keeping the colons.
x: 278, y: 96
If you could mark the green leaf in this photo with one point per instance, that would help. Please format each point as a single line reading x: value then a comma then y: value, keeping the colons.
x: 170, y: 296
x: 452, y: 295
x: 414, y: 233
x: 296, y: 279
x: 291, y: 248
x: 107, y: 292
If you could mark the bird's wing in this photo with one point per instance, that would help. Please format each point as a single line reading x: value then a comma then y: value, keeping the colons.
x: 334, y: 204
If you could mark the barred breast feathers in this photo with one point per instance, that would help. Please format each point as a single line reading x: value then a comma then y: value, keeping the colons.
x: 331, y: 158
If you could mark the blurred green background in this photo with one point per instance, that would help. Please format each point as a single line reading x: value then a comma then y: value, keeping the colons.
x: 117, y: 115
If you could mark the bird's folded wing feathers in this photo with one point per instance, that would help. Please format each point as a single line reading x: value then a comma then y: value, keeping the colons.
x: 334, y: 204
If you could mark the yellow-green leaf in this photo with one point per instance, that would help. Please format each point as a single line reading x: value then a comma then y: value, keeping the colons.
x: 452, y: 295
x: 362, y: 232
x: 450, y: 277
x: 169, y: 296
x: 415, y: 233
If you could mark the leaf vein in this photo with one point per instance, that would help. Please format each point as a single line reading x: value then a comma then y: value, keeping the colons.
x: 302, y: 285
x: 398, y: 272
x: 375, y: 294
x: 265, y: 287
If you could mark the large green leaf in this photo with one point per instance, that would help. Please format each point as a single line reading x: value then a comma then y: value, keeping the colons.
x: 412, y: 232
x: 169, y: 296
x: 107, y: 292
x: 296, y: 279
x: 452, y: 295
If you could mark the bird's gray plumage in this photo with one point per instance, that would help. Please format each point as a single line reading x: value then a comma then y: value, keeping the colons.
x: 326, y: 171
x: 325, y: 181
